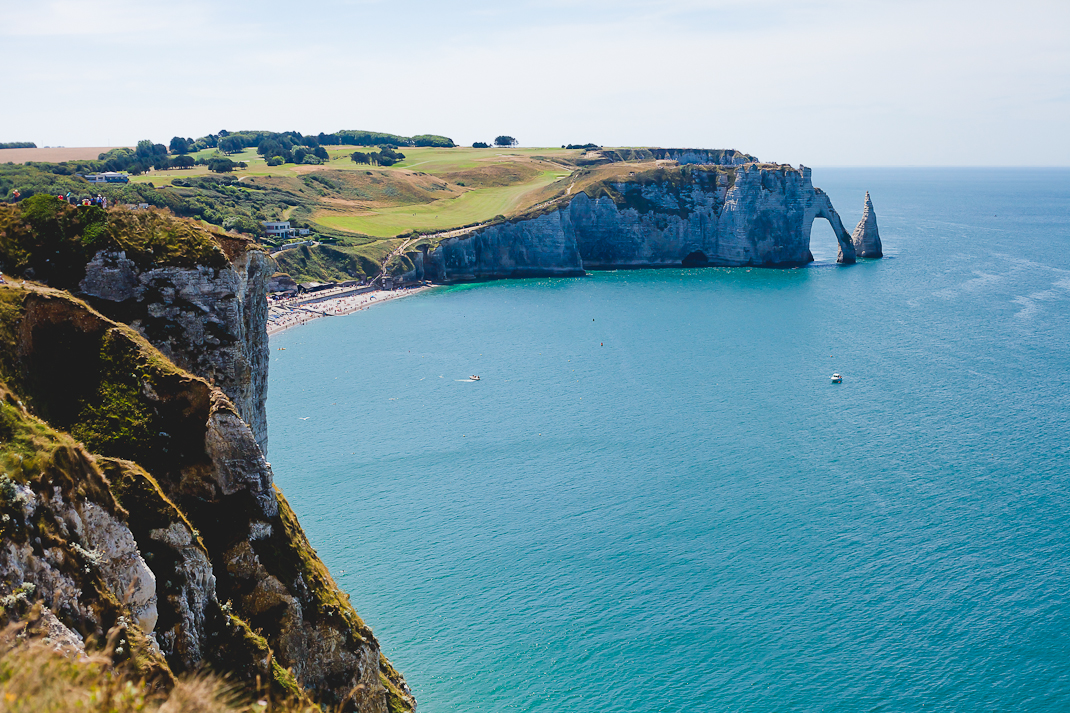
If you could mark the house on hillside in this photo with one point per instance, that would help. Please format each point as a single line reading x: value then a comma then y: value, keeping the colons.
x: 108, y: 177
x: 279, y: 229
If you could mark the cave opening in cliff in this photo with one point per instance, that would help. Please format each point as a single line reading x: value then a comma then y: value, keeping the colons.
x: 696, y: 259
x: 823, y: 244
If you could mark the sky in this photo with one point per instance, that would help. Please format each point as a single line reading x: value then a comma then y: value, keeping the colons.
x: 820, y: 82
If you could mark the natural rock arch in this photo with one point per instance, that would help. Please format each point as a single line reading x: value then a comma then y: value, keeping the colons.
x: 821, y: 207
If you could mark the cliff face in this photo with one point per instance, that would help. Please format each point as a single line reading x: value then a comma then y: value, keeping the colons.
x: 750, y: 215
x: 198, y: 295
x: 171, y: 510
x: 545, y: 245
x: 209, y: 321
x: 706, y: 157
x: 135, y: 499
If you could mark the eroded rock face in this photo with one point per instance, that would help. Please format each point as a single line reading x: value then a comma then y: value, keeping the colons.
x: 195, y: 586
x: 545, y: 245
x: 704, y: 157
x: 750, y: 215
x: 199, y: 498
x: 281, y: 282
x: 866, y: 239
x: 210, y: 322
x: 60, y: 543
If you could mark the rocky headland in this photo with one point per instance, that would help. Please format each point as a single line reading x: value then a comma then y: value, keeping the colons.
x: 726, y: 212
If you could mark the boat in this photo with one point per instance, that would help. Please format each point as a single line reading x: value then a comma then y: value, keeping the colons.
x: 474, y: 377
x: 837, y: 379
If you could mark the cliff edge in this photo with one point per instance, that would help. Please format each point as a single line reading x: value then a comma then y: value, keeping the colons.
x: 135, y: 498
x: 668, y: 216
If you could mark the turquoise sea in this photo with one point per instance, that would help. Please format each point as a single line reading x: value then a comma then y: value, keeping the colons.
x: 655, y: 499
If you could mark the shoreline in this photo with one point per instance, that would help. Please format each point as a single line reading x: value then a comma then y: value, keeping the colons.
x: 294, y: 314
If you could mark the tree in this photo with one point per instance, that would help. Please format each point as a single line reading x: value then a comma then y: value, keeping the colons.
x: 221, y: 165
x: 388, y: 156
x: 179, y: 145
x: 269, y: 148
x: 147, y: 150
x: 360, y: 157
x: 505, y: 141
x: 321, y: 153
x: 183, y: 162
x: 231, y: 144
x: 481, y: 145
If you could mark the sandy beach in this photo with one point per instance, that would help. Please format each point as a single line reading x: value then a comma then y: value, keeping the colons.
x: 284, y: 314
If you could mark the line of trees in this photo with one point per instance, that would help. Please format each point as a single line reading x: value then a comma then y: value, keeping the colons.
x: 386, y: 156
x: 498, y: 141
x: 276, y: 147
x: 18, y: 145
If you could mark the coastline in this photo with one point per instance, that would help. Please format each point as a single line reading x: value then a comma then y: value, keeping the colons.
x: 283, y: 316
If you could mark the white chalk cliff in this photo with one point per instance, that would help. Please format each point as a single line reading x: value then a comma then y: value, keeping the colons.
x: 690, y: 215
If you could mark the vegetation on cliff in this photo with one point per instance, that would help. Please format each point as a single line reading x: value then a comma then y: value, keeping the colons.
x: 54, y: 240
x: 35, y: 677
x: 92, y: 414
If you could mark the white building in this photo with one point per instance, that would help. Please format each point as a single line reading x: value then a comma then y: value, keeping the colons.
x: 108, y: 177
x: 279, y: 229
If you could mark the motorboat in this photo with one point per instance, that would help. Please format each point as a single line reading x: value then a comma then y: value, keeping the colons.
x: 474, y: 377
x: 837, y: 379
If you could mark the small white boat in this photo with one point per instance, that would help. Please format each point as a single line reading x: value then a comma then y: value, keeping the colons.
x: 837, y: 379
x: 474, y: 377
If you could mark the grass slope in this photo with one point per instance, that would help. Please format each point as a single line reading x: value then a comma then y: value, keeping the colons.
x: 444, y: 188
x: 473, y: 206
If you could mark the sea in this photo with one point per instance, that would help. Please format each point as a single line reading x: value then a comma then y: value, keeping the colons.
x: 654, y: 498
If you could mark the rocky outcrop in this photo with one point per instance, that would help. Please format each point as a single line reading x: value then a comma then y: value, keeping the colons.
x: 66, y: 545
x: 866, y: 239
x: 680, y: 216
x: 704, y: 157
x: 175, y: 515
x: 208, y: 320
x: 544, y: 245
x: 281, y: 282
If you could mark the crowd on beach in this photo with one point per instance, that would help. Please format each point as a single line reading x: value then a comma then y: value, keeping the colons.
x: 286, y: 313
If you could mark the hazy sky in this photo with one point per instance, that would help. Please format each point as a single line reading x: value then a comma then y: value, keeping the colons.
x: 821, y: 82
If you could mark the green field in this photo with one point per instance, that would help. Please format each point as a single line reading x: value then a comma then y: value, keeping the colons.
x: 475, y: 206
x: 477, y: 184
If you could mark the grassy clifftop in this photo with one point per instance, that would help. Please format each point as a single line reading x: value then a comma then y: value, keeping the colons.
x: 55, y: 240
